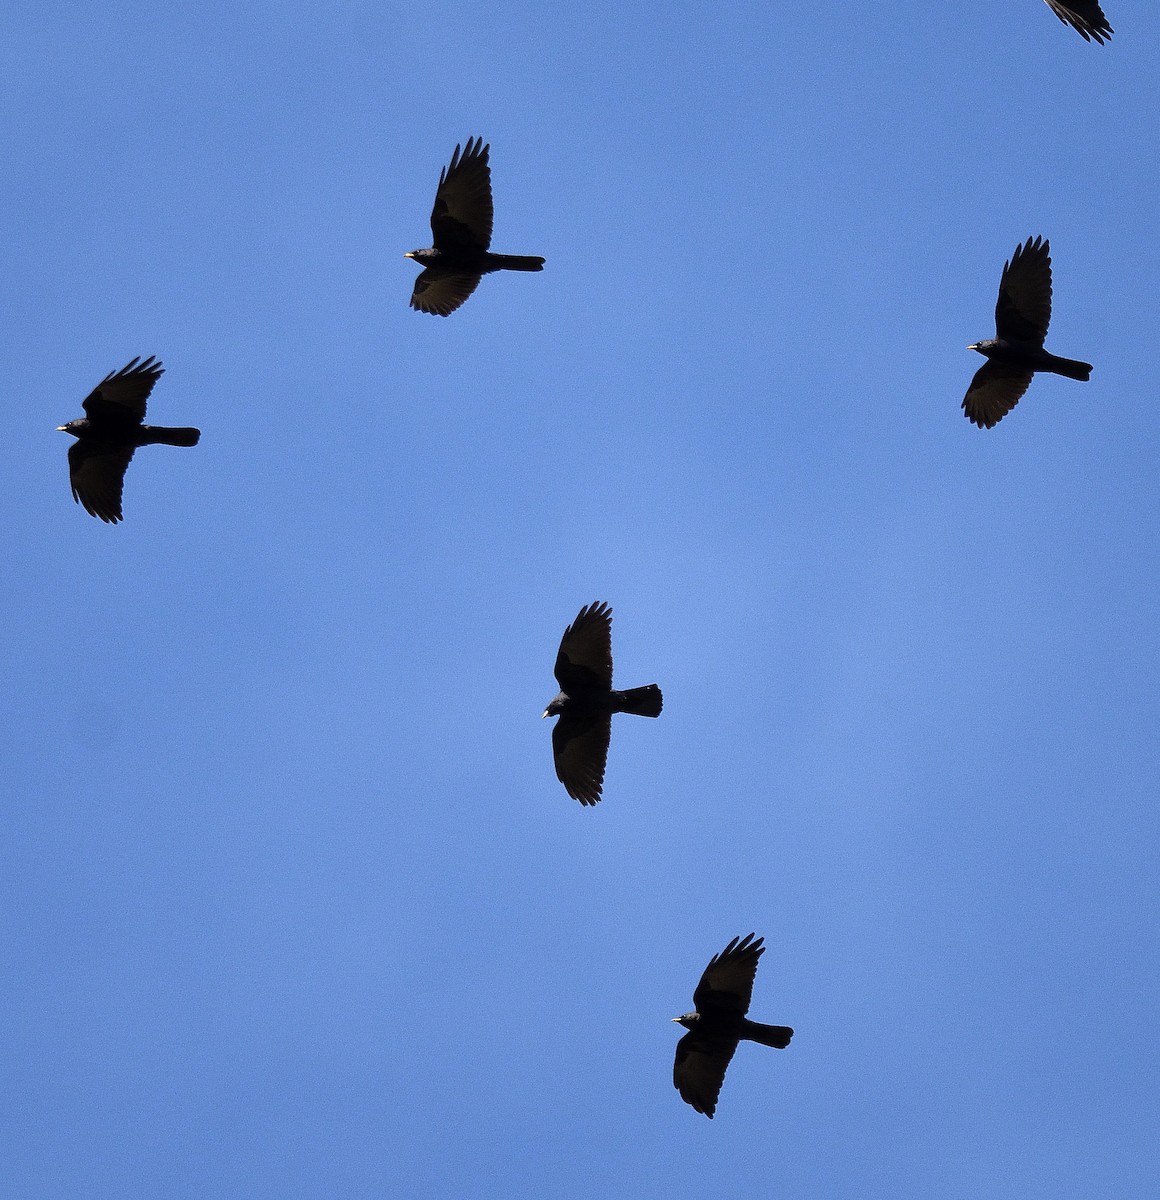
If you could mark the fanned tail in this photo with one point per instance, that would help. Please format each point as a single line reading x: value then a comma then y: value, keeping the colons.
x: 777, y: 1036
x: 642, y: 701
x: 1071, y: 367
x: 181, y: 436
x: 518, y: 262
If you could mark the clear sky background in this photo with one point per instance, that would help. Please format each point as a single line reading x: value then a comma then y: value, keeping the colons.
x: 293, y: 904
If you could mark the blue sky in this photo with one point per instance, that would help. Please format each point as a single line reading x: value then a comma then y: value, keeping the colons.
x: 293, y: 903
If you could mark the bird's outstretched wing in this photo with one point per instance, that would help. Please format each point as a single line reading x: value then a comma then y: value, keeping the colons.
x: 442, y: 292
x: 1085, y: 17
x: 994, y: 392
x: 120, y: 397
x: 462, y: 216
x: 1023, y: 310
x: 727, y: 984
x: 97, y: 475
x: 580, y: 751
x: 584, y: 660
x: 699, y: 1069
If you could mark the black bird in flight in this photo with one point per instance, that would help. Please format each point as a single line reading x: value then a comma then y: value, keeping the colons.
x: 1085, y: 17
x: 721, y: 1000
x: 1016, y: 352
x: 586, y: 703
x: 461, y: 225
x: 109, y: 433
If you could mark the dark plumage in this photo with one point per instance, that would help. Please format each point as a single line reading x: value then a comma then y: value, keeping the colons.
x: 1085, y: 17
x: 719, y: 1023
x: 1016, y: 352
x: 109, y: 433
x: 461, y: 226
x: 586, y: 703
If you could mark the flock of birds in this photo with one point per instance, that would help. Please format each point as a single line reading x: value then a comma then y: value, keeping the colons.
x: 113, y: 427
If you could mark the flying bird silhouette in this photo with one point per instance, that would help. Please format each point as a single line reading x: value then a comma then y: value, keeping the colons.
x: 109, y: 433
x: 1016, y: 352
x: 587, y: 701
x: 461, y: 226
x: 1085, y: 17
x: 719, y: 1023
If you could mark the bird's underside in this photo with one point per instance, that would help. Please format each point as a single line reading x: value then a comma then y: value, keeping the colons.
x: 461, y: 225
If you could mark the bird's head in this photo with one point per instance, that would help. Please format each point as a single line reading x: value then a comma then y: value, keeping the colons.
x: 689, y: 1020
x: 76, y: 428
x: 419, y: 255
x: 556, y: 706
x: 982, y: 347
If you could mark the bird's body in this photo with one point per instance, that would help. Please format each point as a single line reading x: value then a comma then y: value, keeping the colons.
x: 719, y: 1024
x: 474, y: 262
x: 586, y: 702
x: 112, y: 430
x: 461, y: 224
x: 641, y: 702
x: 1085, y: 17
x: 1027, y: 354
x: 1015, y: 353
x: 731, y: 1028
x: 108, y: 435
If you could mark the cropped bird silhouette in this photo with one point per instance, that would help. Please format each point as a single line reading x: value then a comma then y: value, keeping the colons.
x: 587, y: 701
x: 461, y: 225
x: 1016, y: 352
x: 1085, y: 17
x: 721, y: 1000
x: 109, y: 433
